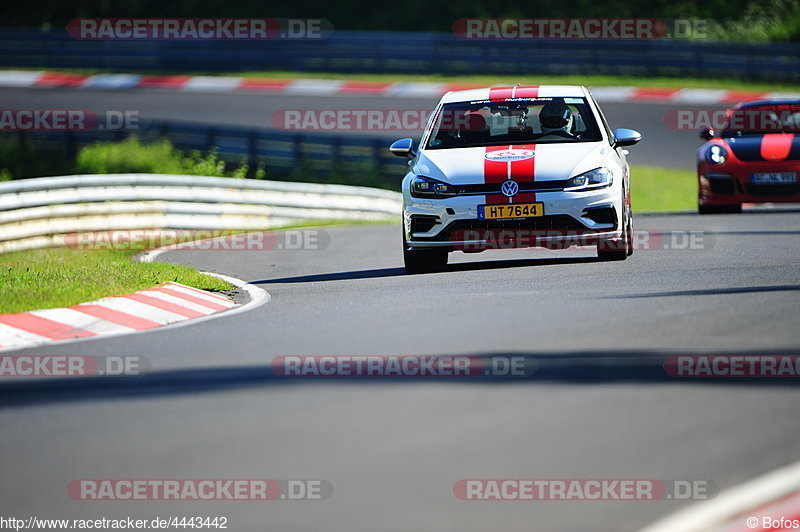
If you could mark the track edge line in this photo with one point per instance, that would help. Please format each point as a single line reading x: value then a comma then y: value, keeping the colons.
x: 738, y: 500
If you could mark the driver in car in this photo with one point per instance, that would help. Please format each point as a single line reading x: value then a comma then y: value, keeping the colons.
x: 556, y: 119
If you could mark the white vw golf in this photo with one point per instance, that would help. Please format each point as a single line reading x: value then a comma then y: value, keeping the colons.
x: 515, y: 167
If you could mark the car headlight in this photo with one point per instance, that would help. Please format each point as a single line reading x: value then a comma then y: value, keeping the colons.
x: 597, y: 178
x: 425, y: 187
x: 716, y: 154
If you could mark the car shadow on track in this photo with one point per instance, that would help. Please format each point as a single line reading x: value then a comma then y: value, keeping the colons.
x: 490, y: 369
x: 456, y: 267
x: 778, y: 209
x: 712, y: 291
x: 739, y: 233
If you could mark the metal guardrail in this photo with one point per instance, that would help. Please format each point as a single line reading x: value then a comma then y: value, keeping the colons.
x: 47, y: 211
x: 407, y: 52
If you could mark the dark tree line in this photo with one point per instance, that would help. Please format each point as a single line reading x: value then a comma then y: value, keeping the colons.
x: 408, y: 15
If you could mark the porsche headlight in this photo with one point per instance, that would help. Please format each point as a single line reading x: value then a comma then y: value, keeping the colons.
x: 425, y: 187
x: 597, y: 178
x: 716, y: 154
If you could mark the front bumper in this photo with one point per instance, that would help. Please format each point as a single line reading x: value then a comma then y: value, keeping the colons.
x: 731, y: 184
x: 570, y: 218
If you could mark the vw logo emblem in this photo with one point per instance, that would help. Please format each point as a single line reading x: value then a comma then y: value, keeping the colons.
x: 509, y: 188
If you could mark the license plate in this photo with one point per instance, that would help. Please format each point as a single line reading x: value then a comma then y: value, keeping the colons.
x: 774, y: 178
x: 512, y: 210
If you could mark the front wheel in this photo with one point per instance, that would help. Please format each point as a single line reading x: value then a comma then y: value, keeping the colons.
x: 424, y: 260
x: 731, y: 208
x: 621, y: 248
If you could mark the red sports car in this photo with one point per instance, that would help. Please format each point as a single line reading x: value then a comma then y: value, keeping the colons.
x: 754, y: 158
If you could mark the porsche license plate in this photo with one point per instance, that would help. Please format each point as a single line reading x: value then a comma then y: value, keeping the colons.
x: 512, y: 210
x: 774, y: 178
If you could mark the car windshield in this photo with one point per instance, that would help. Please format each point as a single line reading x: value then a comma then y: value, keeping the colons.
x: 763, y: 119
x: 513, y: 121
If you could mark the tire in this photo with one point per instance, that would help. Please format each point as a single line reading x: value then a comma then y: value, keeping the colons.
x: 619, y: 249
x: 424, y: 260
x: 732, y: 208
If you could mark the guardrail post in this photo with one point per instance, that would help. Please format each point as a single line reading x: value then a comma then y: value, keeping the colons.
x: 296, y: 153
x: 211, y: 134
x: 252, y: 148
x: 336, y: 156
x: 72, y: 150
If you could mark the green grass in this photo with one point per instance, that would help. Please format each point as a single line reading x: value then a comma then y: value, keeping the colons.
x: 61, y: 277
x: 655, y: 189
x: 488, y: 80
x: 588, y: 80
x: 133, y: 156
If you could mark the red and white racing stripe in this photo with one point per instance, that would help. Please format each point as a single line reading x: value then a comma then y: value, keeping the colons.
x: 777, y: 146
x: 504, y: 93
x: 523, y: 170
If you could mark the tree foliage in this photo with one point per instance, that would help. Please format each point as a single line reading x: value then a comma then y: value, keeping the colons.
x: 770, y: 19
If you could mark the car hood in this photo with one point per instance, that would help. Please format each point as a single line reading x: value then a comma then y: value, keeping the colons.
x: 462, y: 166
x: 769, y: 147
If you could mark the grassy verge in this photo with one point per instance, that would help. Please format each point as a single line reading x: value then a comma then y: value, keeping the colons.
x: 655, y: 189
x: 20, y: 159
x: 485, y: 80
x: 588, y: 80
x: 60, y: 277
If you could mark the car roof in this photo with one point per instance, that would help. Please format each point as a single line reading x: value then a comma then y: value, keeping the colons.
x: 760, y: 103
x: 516, y: 91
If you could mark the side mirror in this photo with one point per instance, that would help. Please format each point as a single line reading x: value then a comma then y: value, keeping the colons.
x: 707, y: 134
x: 403, y: 148
x: 626, y: 137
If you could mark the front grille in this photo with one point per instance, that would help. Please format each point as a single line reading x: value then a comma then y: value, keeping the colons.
x: 773, y: 190
x: 722, y: 185
x: 558, y: 222
x: 494, y: 188
x: 422, y: 223
x: 602, y: 215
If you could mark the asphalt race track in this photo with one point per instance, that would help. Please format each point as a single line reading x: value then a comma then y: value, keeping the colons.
x: 660, y: 145
x: 598, y: 406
